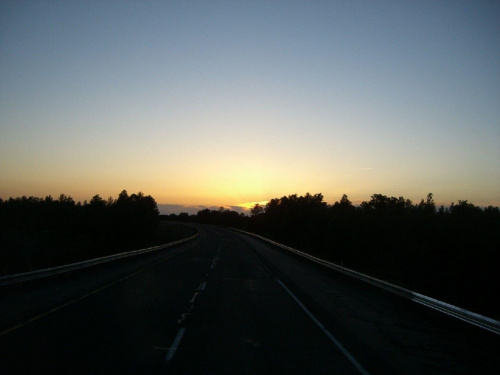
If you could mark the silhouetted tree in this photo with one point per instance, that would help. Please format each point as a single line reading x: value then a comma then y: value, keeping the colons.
x: 450, y: 253
x: 37, y: 233
x: 256, y: 210
x: 222, y: 216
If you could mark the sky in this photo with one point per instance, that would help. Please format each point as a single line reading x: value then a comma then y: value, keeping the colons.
x: 226, y: 103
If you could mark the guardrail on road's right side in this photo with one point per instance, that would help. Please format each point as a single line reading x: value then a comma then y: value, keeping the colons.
x: 47, y: 272
x: 457, y: 312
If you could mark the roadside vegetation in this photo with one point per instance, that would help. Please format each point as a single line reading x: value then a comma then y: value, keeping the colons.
x: 451, y: 254
x: 45, y: 232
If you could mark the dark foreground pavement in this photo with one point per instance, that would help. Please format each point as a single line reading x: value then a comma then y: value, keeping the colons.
x: 226, y: 303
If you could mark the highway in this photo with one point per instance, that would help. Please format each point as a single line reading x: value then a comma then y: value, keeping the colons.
x: 227, y: 303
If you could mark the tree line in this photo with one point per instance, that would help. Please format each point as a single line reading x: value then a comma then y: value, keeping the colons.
x: 449, y: 253
x: 45, y: 232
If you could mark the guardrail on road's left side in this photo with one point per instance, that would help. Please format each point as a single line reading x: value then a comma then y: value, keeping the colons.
x: 47, y: 272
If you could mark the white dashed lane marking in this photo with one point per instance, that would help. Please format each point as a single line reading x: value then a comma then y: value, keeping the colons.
x: 182, y: 320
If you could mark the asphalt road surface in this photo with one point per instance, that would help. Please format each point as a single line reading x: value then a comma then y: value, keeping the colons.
x: 227, y: 303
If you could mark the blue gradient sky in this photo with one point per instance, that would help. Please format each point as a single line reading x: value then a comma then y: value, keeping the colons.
x: 223, y: 102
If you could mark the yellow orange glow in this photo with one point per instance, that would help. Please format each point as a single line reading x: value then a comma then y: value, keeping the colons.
x: 250, y: 205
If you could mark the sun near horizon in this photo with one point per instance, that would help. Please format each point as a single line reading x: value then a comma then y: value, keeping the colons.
x: 222, y: 104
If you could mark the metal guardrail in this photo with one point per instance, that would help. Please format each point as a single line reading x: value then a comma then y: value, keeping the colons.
x: 47, y: 272
x: 454, y: 311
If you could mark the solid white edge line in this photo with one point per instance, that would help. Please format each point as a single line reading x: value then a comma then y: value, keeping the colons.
x: 478, y: 320
x: 175, y: 344
x: 332, y: 338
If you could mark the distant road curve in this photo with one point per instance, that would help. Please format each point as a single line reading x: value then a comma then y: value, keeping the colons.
x: 223, y: 303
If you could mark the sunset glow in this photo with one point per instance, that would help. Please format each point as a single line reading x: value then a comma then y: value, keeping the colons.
x: 250, y: 205
x: 219, y: 103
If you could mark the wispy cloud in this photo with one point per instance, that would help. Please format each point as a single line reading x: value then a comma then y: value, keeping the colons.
x: 362, y: 169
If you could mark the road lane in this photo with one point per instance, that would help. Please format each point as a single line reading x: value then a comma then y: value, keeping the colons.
x: 20, y: 302
x: 379, y: 328
x: 218, y: 307
x: 123, y: 328
x: 246, y: 323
